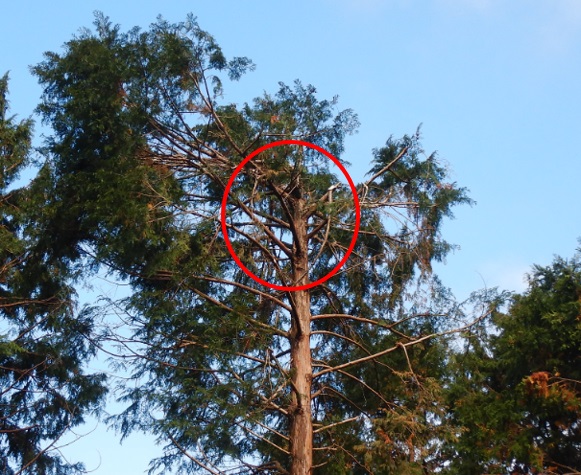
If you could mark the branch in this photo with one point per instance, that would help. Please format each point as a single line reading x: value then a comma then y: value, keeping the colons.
x: 247, y: 288
x: 387, y: 326
x: 343, y: 337
x: 269, y: 256
x: 386, y: 168
x: 358, y: 380
x: 264, y: 439
x: 393, y: 348
x: 192, y: 458
x: 264, y: 426
x: 251, y: 214
x: 321, y: 429
x: 325, y: 239
x: 24, y: 468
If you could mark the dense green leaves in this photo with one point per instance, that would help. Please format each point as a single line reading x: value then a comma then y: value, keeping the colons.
x: 519, y: 396
x: 44, y: 341
x: 143, y: 146
x: 141, y: 149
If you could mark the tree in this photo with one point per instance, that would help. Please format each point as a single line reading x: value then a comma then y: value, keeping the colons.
x: 518, y: 396
x: 236, y: 377
x: 43, y: 390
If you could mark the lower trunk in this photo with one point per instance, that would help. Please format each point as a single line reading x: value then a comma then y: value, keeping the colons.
x: 301, y: 424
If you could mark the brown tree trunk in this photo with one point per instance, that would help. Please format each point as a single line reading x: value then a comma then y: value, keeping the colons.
x: 301, y: 429
x: 301, y: 424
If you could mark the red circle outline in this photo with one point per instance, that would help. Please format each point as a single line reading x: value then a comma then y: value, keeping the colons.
x: 225, y: 202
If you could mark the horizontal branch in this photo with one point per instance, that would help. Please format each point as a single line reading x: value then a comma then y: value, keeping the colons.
x: 352, y: 419
x: 398, y: 345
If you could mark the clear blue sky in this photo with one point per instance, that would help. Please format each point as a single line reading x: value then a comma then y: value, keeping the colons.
x: 495, y: 83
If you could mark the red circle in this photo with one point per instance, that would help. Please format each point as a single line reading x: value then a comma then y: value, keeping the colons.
x: 225, y: 202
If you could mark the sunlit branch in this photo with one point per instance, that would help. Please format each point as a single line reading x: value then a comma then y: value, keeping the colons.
x: 413, y: 341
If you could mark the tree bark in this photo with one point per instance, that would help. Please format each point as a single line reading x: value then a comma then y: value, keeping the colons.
x: 301, y: 424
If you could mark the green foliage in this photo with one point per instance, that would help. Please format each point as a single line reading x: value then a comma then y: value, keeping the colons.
x: 44, y: 345
x: 518, y: 392
x: 142, y: 148
x: 137, y: 166
x: 102, y: 189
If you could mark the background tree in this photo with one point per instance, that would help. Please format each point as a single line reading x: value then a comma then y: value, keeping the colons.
x: 43, y: 347
x: 233, y: 376
x: 518, y: 394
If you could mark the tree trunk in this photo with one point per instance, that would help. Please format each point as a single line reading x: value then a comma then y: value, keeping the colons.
x: 301, y: 424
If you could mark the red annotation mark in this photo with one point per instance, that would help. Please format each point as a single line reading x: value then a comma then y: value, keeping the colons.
x: 225, y: 226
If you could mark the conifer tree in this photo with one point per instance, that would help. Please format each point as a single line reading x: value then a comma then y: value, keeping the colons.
x: 235, y: 376
x: 517, y: 390
x: 44, y: 392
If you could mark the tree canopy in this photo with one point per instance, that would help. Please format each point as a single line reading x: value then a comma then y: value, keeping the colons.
x: 518, y: 390
x: 44, y: 391
x: 375, y: 370
x: 228, y: 372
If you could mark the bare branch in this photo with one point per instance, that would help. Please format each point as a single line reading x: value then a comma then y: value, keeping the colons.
x: 194, y: 459
x: 393, y: 348
x: 387, y: 168
x: 327, y: 427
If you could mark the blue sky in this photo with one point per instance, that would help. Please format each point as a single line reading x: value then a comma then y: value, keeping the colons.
x: 496, y: 85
